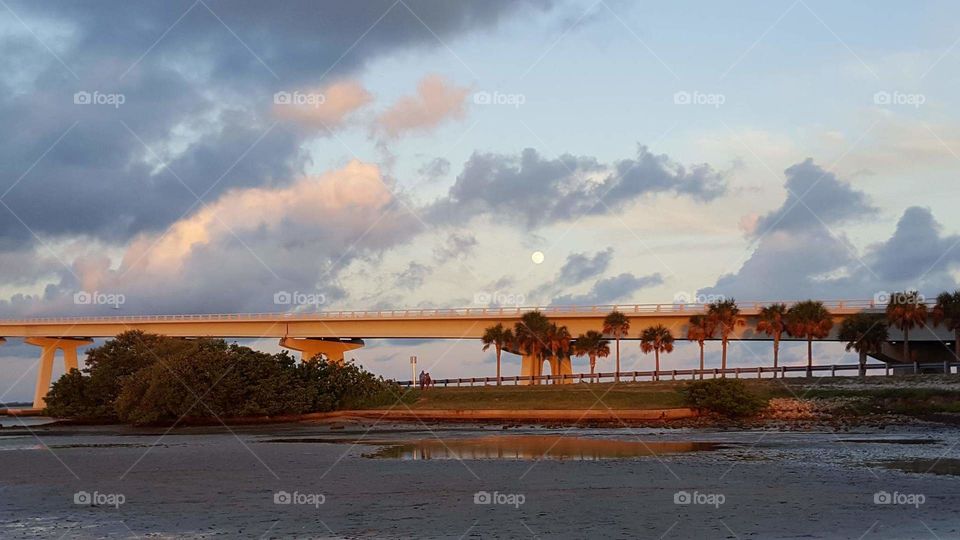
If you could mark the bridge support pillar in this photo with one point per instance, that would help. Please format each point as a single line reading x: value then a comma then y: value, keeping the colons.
x: 532, y: 366
x: 332, y: 349
x: 528, y: 367
x: 564, y: 367
x: 48, y: 350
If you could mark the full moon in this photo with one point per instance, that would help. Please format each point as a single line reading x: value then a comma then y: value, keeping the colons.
x: 537, y: 257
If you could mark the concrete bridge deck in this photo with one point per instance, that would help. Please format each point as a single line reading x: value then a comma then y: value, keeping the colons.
x: 333, y: 333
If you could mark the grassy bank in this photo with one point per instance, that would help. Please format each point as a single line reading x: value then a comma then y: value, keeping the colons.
x: 906, y: 395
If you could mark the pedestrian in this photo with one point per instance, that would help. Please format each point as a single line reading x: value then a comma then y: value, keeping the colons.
x: 423, y: 378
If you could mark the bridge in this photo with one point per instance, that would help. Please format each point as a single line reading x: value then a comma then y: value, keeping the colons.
x: 333, y: 333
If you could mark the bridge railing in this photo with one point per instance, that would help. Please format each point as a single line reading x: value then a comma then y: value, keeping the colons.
x: 839, y: 306
x: 757, y: 372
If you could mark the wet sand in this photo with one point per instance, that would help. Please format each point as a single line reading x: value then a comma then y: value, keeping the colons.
x: 206, y: 483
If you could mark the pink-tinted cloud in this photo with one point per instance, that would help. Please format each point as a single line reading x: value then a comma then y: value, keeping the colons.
x: 324, y: 108
x: 436, y: 101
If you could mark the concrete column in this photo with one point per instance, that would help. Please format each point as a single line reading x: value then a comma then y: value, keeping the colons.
x: 309, y: 348
x: 527, y: 368
x: 566, y: 368
x: 48, y: 351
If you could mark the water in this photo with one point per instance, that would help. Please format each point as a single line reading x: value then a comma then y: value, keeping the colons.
x: 20, y: 421
x: 532, y: 447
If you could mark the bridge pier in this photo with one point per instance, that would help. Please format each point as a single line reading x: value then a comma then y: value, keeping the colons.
x: 48, y: 350
x: 332, y: 349
x: 533, y: 366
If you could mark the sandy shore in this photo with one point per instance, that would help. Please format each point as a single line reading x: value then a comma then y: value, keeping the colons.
x: 205, y: 482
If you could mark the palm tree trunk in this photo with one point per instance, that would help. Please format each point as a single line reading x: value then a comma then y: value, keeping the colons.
x: 723, y: 362
x: 498, y: 365
x: 656, y: 354
x: 906, y: 345
x: 593, y: 363
x: 863, y: 363
x: 776, y: 355
x: 809, y: 356
x: 616, y: 377
x: 701, y: 360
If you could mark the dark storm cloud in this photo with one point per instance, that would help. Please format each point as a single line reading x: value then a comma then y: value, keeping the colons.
x: 196, y: 90
x: 610, y: 290
x: 814, y: 195
x: 533, y: 191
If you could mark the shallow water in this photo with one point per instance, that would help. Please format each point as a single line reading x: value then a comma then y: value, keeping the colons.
x: 945, y: 466
x: 210, y: 482
x: 531, y: 447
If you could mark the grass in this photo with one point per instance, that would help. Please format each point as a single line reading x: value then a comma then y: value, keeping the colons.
x: 572, y: 396
x: 871, y: 396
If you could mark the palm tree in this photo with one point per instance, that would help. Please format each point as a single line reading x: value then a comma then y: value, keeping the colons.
x: 617, y: 325
x: 700, y: 329
x: 906, y: 310
x: 947, y: 311
x: 810, y: 320
x: 865, y: 333
x: 726, y: 317
x: 771, y: 322
x: 498, y: 337
x: 530, y: 333
x: 594, y: 345
x: 657, y: 339
x: 557, y: 339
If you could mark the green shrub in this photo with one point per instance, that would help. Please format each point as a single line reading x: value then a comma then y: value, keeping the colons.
x: 146, y: 379
x: 726, y: 397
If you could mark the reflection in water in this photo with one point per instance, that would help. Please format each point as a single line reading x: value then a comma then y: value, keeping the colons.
x: 949, y: 467
x: 534, y: 447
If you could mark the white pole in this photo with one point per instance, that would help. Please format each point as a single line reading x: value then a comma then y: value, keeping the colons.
x: 413, y: 372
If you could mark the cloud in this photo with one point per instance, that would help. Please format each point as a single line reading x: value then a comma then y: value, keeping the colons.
x: 413, y: 276
x: 198, y: 101
x: 532, y: 191
x: 610, y: 290
x: 814, y: 195
x: 456, y: 246
x: 235, y: 253
x: 434, y: 170
x: 916, y: 252
x: 579, y: 267
x: 436, y: 101
x: 804, y: 255
x: 323, y: 108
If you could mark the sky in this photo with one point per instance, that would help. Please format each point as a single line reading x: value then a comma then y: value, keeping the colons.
x: 207, y: 156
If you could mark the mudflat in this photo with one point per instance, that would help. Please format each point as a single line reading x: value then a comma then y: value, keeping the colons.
x: 356, y: 479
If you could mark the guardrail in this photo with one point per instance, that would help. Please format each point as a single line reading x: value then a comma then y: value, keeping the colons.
x: 693, y: 374
x: 598, y: 310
